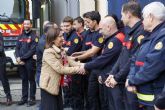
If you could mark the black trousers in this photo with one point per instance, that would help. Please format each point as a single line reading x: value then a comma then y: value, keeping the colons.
x: 93, y: 92
x: 77, y: 92
x: 116, y: 98
x: 3, y: 77
x: 27, y: 73
x: 51, y: 102
x: 132, y: 102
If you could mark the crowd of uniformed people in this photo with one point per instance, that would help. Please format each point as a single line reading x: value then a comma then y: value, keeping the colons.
x: 91, y: 63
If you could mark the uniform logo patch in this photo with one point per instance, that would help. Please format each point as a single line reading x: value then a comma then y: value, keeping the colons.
x: 139, y: 39
x: 36, y: 39
x: 110, y: 45
x: 159, y: 46
x: 100, y: 40
x: 76, y: 41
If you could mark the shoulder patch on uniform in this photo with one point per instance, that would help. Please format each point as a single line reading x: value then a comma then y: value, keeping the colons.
x: 76, y: 40
x: 110, y: 45
x: 36, y: 39
x: 100, y: 40
x: 159, y: 46
x: 139, y: 39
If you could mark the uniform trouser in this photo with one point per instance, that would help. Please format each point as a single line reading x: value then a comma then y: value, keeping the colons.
x: 148, y: 108
x: 93, y: 92
x: 116, y: 98
x: 77, y: 92
x: 67, y: 95
x: 103, y: 93
x: 85, y: 90
x: 3, y: 77
x: 27, y: 73
x: 131, y: 101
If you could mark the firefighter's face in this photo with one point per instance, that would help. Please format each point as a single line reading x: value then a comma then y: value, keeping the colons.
x: 125, y: 17
x: 147, y: 22
x: 27, y: 25
x: 77, y: 25
x: 91, y: 23
x: 67, y: 27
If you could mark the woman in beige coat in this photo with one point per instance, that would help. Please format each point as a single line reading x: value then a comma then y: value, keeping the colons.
x: 52, y: 70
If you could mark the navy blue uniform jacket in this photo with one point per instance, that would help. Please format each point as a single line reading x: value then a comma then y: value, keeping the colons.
x: 110, y: 53
x: 26, y: 46
x: 147, y: 73
x: 130, y: 45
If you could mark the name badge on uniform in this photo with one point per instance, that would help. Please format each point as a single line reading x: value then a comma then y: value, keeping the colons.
x: 110, y: 45
x: 158, y: 46
x: 100, y: 40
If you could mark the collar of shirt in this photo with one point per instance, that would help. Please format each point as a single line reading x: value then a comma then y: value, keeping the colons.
x: 134, y: 28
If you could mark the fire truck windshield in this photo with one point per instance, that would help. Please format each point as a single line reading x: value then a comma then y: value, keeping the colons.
x: 11, y: 9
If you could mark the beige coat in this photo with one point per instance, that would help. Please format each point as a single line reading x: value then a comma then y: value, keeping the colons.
x: 52, y: 69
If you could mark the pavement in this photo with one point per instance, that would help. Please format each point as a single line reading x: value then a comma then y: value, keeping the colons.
x: 16, y: 88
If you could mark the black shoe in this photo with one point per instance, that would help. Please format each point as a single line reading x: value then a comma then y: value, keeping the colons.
x: 22, y: 102
x: 31, y: 102
x: 8, y: 101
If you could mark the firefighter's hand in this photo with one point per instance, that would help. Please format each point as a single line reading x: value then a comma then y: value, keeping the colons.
x: 157, y: 108
x: 113, y: 82
x: 35, y: 57
x: 107, y: 82
x: 82, y: 70
x: 18, y: 60
x: 100, y: 80
x: 22, y: 63
x: 126, y: 83
x: 131, y: 89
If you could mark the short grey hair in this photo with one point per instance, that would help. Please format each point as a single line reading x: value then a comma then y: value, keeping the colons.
x: 157, y: 9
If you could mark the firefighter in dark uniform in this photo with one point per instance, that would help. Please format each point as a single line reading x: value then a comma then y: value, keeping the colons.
x: 119, y: 72
x: 25, y: 49
x: 146, y: 76
x: 91, y: 48
x: 3, y: 76
x: 72, y: 43
x: 112, y: 47
x: 77, y: 84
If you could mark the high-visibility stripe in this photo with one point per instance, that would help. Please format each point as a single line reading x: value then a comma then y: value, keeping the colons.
x: 12, y: 26
x: 3, y: 26
x: 145, y: 97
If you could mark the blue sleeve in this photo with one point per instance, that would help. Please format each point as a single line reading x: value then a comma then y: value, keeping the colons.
x: 105, y: 57
x: 98, y: 40
x: 31, y: 51
x: 17, y: 49
x: 76, y: 44
x: 153, y: 66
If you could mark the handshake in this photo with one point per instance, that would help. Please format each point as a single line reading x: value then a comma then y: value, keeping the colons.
x: 81, y: 70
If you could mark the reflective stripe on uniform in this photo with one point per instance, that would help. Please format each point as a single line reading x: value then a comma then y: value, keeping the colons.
x: 145, y: 97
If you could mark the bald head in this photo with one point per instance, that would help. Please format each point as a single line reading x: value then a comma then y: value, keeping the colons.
x: 107, y: 26
x: 109, y: 21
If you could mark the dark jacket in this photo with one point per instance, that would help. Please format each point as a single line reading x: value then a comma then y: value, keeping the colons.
x: 147, y: 72
x: 26, y: 46
x: 130, y: 45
